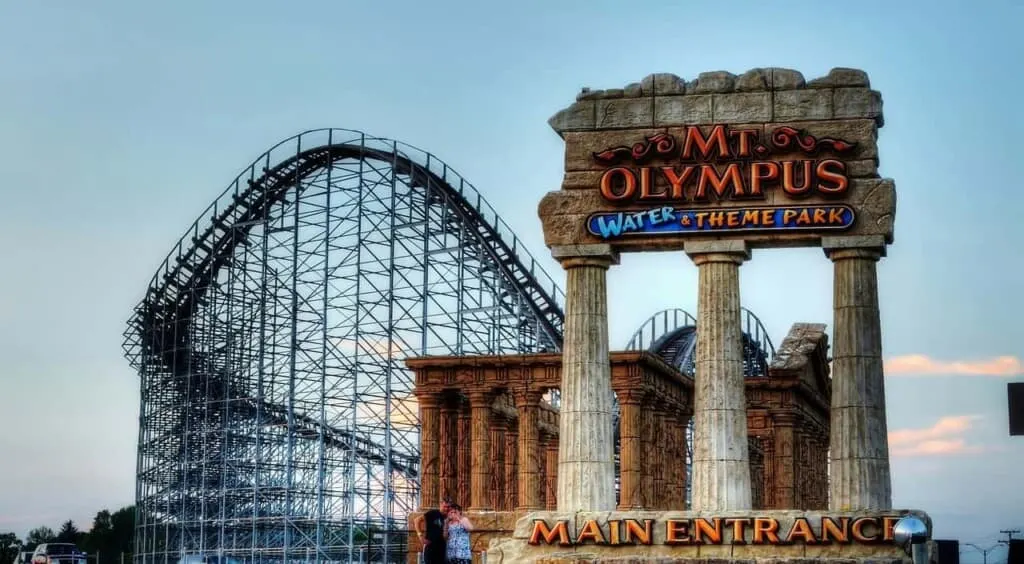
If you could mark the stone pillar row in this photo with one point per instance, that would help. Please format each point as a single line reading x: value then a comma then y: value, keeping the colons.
x: 482, y: 460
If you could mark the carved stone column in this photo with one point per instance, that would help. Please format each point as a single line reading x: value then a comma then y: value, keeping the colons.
x: 464, y: 468
x: 648, y: 465
x: 479, y: 489
x: 860, y: 474
x: 660, y: 455
x: 449, y: 448
x: 721, y: 466
x: 682, y: 421
x: 552, y: 474
x: 430, y: 420
x: 783, y: 426
x: 498, y: 426
x: 511, y: 463
x: 630, y: 449
x: 586, y: 473
x: 529, y: 487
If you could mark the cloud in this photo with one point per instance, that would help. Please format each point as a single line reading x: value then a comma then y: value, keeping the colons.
x: 945, y: 437
x: 921, y: 365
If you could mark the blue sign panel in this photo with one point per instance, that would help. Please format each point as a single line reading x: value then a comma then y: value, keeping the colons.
x: 671, y: 220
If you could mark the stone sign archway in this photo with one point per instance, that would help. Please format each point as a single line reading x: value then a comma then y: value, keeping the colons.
x: 717, y: 168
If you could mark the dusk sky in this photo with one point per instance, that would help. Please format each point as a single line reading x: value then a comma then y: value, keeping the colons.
x: 122, y: 120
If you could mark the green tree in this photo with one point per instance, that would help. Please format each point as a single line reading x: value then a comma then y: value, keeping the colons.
x: 38, y: 536
x: 10, y: 545
x: 68, y: 533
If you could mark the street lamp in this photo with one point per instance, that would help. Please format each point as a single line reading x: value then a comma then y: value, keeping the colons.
x: 984, y: 551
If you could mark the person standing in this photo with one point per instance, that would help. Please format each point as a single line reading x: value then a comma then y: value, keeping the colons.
x: 457, y: 531
x: 430, y: 530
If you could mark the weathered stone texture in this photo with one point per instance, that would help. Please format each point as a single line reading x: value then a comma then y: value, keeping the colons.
x: 717, y: 81
x: 860, y: 474
x: 676, y: 110
x: 742, y: 107
x: 721, y: 463
x: 586, y: 469
x: 625, y: 113
x: 666, y: 99
x: 858, y: 103
x: 803, y: 105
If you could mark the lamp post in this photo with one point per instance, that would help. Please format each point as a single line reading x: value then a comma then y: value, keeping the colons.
x: 984, y: 551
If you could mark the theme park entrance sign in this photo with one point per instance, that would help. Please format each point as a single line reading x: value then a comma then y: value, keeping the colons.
x: 715, y: 531
x: 724, y: 164
x: 765, y: 158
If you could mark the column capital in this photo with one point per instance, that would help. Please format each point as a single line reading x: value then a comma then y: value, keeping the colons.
x: 631, y: 396
x: 701, y: 252
x: 478, y: 395
x: 856, y: 246
x: 784, y: 419
x: 429, y: 398
x: 526, y: 397
x: 572, y: 256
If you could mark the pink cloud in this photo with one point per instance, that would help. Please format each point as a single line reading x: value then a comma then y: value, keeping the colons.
x: 920, y: 365
x: 942, y: 438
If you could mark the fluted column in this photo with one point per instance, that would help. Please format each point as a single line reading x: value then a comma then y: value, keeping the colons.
x: 480, y: 415
x: 498, y: 425
x: 552, y: 474
x: 784, y: 440
x: 464, y: 450
x: 682, y: 421
x: 647, y: 443
x: 660, y: 455
x: 529, y: 487
x: 860, y: 475
x: 449, y: 448
x: 511, y: 462
x: 630, y: 449
x: 721, y: 465
x: 586, y: 466
x: 430, y: 420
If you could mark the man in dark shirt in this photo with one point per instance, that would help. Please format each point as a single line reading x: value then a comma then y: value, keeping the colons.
x: 430, y: 529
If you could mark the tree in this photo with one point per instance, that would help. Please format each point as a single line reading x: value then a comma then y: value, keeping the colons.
x: 38, y: 536
x: 10, y: 545
x: 68, y: 533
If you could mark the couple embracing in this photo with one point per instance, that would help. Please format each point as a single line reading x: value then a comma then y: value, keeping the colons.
x: 445, y: 535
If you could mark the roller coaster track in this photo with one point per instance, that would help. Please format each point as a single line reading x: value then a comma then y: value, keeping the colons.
x: 190, y: 269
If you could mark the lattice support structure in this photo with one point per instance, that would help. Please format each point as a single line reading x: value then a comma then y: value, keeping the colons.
x: 277, y: 419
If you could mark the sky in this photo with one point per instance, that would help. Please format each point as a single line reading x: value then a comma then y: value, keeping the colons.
x: 121, y: 121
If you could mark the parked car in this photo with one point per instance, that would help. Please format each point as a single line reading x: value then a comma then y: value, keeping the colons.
x: 58, y: 553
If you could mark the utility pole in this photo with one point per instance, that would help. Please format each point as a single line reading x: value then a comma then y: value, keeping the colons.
x: 984, y: 551
x: 1009, y: 535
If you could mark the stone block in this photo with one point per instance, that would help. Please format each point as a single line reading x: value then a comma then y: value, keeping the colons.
x: 752, y: 80
x: 802, y: 105
x: 682, y: 110
x: 705, y: 247
x: 613, y: 93
x: 577, y: 117
x: 858, y: 103
x: 582, y: 180
x: 668, y: 84
x: 632, y: 90
x: 785, y: 79
x: 841, y: 77
x: 717, y: 81
x: 625, y: 113
x: 742, y: 107
x: 581, y: 146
